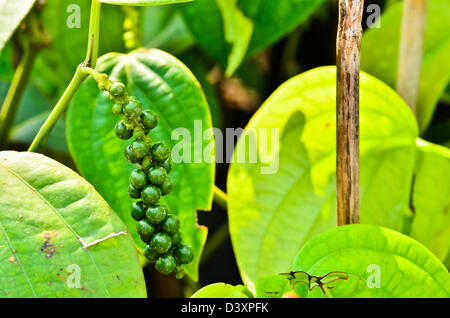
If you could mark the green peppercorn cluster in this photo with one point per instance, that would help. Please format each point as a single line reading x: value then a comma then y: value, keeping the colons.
x: 157, y: 227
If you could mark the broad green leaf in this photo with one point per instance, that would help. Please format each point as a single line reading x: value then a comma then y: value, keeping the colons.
x: 431, y: 198
x: 271, y: 287
x: 238, y: 32
x: 382, y: 60
x: 271, y: 20
x: 379, y: 262
x: 53, y: 225
x: 67, y: 21
x: 11, y: 14
x: 142, y: 2
x: 222, y: 290
x: 288, y: 196
x: 165, y: 85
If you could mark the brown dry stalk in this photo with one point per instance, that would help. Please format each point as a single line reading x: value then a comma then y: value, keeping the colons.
x: 348, y: 68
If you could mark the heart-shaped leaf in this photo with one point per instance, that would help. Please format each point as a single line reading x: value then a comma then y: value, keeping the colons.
x: 213, y: 25
x: 58, y: 237
x: 378, y: 261
x: 431, y: 198
x: 142, y: 2
x: 382, y: 60
x: 288, y: 196
x: 165, y: 85
x: 222, y: 290
x: 11, y: 14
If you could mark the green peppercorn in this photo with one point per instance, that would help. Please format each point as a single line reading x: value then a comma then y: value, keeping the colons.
x: 137, y: 211
x: 138, y: 179
x: 171, y: 224
x: 139, y: 148
x: 150, y: 254
x: 176, y: 238
x: 146, y: 163
x: 133, y: 109
x: 184, y: 253
x: 133, y: 192
x: 118, y: 90
x: 168, y: 165
x: 166, y: 187
x: 145, y: 230
x: 157, y: 214
x: 161, y: 242
x: 165, y: 264
x: 139, y: 133
x: 117, y: 109
x: 180, y: 274
x: 129, y: 154
x: 122, y: 131
x: 157, y: 175
x: 160, y: 152
x: 149, y: 119
x: 151, y: 195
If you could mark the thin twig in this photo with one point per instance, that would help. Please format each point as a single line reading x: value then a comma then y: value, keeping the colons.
x: 348, y: 68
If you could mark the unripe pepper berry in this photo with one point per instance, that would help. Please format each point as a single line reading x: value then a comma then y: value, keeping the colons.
x: 133, y: 109
x: 176, y: 238
x: 122, y: 132
x: 161, y: 242
x: 157, y: 214
x: 151, y: 195
x: 168, y: 165
x: 133, y: 192
x: 117, y: 109
x: 139, y: 133
x: 145, y: 230
x: 150, y: 254
x: 137, y: 211
x: 184, y: 253
x: 118, y: 90
x: 165, y: 264
x: 157, y: 175
x: 166, y: 187
x: 129, y: 154
x: 149, y: 119
x: 171, y: 224
x: 146, y: 163
x: 138, y: 179
x: 139, y: 148
x: 160, y: 152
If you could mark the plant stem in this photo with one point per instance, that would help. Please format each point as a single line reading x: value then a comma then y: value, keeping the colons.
x: 15, y: 92
x: 411, y: 50
x: 347, y: 108
x: 220, y: 198
x: 94, y: 31
x: 77, y: 80
x: 59, y: 109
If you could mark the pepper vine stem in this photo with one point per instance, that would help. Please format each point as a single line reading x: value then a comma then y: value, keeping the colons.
x: 347, y: 109
x: 80, y: 75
